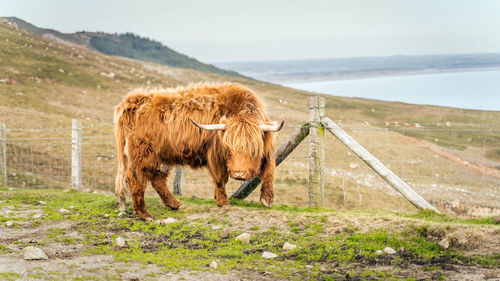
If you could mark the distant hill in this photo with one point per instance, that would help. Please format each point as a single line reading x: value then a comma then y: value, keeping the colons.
x: 125, y: 45
x: 358, y: 67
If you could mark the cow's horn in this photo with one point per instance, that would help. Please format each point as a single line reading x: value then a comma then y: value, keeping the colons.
x: 211, y: 127
x: 272, y: 128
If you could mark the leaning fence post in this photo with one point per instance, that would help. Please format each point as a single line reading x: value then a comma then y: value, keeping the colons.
x: 386, y: 174
x: 76, y: 155
x: 317, y: 151
x: 178, y: 181
x: 3, y: 142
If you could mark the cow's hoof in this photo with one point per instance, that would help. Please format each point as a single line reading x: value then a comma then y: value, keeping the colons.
x: 265, y: 203
x: 147, y: 217
x: 176, y: 206
x: 224, y: 203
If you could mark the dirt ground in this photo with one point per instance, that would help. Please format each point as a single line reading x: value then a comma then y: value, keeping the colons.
x: 70, y: 261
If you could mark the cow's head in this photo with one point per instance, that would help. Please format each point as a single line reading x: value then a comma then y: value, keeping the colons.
x: 243, y: 141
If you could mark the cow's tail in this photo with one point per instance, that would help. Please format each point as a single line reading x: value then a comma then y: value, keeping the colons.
x: 121, y: 186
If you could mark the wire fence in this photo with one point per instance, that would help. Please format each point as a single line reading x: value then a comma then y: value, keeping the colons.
x: 454, y: 166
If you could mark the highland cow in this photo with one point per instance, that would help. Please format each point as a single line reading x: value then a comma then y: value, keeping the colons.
x: 219, y: 126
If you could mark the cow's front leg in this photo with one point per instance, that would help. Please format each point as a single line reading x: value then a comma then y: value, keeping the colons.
x: 159, y: 182
x: 220, y: 177
x: 267, y: 178
x: 137, y: 186
x: 220, y: 194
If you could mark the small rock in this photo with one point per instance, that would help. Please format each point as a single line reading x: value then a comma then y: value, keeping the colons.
x: 225, y: 234
x: 216, y: 227
x: 33, y: 253
x: 195, y: 196
x: 445, y: 243
x: 287, y: 246
x: 9, y: 223
x: 213, y: 265
x: 121, y: 214
x: 353, y: 165
x: 244, y: 237
x: 378, y: 252
x: 268, y: 255
x: 389, y: 251
x: 71, y: 207
x: 42, y: 202
x: 63, y: 211
x: 120, y: 242
x: 167, y: 221
x: 496, y: 219
x: 309, y: 266
x: 37, y: 216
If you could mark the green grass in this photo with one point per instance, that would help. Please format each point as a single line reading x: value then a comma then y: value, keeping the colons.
x: 193, y: 244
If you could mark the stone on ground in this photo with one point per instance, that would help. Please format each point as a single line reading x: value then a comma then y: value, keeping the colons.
x: 287, y: 246
x: 445, y: 243
x: 167, y: 221
x: 33, y: 253
x: 213, y: 265
x: 496, y: 219
x: 9, y: 223
x: 389, y: 251
x: 62, y: 211
x: 244, y: 237
x: 37, y: 216
x: 120, y: 242
x: 378, y: 252
x: 269, y: 255
x: 42, y: 202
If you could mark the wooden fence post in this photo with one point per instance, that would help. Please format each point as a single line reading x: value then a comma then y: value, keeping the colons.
x: 378, y: 166
x: 3, y: 144
x: 293, y: 141
x: 178, y: 181
x: 76, y: 155
x: 317, y: 151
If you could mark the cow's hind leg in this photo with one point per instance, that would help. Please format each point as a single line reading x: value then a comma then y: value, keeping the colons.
x: 137, y: 186
x: 159, y: 182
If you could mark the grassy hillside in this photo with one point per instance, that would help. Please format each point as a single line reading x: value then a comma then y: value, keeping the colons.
x: 51, y: 78
x: 125, y: 45
x: 45, y: 84
x: 330, y: 245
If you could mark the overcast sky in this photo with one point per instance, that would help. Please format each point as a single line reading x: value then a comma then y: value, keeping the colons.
x: 232, y: 30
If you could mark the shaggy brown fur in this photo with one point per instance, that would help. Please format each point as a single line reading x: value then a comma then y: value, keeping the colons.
x: 154, y: 133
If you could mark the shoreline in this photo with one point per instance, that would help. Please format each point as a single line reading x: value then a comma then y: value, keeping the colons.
x: 287, y: 80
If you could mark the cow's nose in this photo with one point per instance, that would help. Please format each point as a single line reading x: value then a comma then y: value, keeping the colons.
x: 238, y: 174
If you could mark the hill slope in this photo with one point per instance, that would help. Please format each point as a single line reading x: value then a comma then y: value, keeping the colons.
x: 45, y: 84
x: 125, y: 45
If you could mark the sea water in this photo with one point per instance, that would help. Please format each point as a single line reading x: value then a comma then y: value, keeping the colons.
x: 471, y: 90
